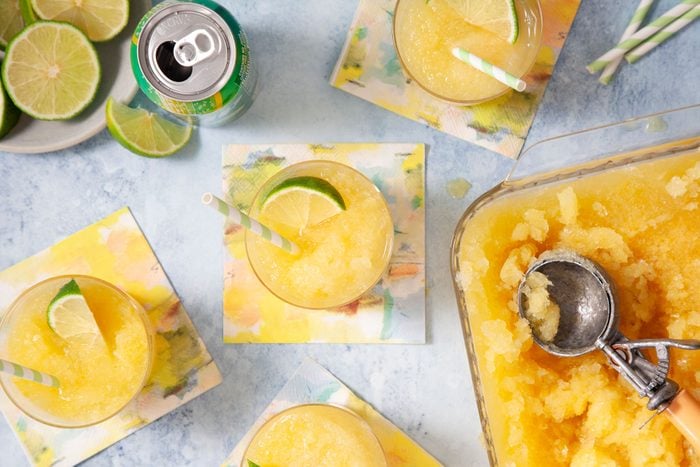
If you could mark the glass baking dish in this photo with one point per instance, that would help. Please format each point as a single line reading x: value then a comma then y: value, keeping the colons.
x: 557, y: 161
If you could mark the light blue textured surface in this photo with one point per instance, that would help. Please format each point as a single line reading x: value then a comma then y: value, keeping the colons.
x: 424, y: 389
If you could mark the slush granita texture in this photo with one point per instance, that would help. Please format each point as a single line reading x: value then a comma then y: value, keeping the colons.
x: 341, y: 257
x: 96, y: 378
x: 426, y: 33
x: 316, y: 435
x: 641, y: 223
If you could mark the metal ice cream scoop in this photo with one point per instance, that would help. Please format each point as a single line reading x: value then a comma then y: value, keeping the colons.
x: 589, y: 320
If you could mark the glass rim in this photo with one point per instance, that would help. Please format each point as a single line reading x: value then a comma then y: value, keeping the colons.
x: 342, y: 408
x: 464, y: 102
x: 389, y: 248
x: 140, y: 311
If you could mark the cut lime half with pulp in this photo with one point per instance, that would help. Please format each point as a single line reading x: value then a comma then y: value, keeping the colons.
x: 302, y: 201
x: 101, y: 20
x: 9, y: 114
x: 69, y: 315
x: 51, y: 71
x: 496, y: 16
x: 143, y: 132
x: 10, y: 21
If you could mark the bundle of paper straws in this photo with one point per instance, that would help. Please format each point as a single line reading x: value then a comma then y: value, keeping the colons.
x: 635, y: 42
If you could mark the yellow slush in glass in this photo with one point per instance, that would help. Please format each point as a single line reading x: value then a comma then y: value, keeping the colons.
x: 342, y: 256
x: 425, y: 32
x: 99, y: 375
x: 317, y: 435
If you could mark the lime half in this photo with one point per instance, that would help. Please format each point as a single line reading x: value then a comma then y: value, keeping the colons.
x: 496, y: 16
x: 9, y: 114
x: 51, y: 71
x: 143, y: 132
x: 10, y: 21
x: 101, y: 20
x: 70, y: 317
x: 302, y: 201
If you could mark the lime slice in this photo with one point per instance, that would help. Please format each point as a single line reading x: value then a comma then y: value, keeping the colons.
x: 101, y: 20
x: 496, y: 16
x: 10, y: 21
x: 28, y: 15
x: 302, y: 201
x: 9, y: 114
x: 70, y: 317
x: 51, y: 71
x: 145, y: 133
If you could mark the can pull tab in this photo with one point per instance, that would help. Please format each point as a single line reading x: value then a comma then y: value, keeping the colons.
x: 194, y: 47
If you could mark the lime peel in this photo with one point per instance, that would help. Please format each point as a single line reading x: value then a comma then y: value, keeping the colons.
x: 497, y: 16
x: 10, y: 21
x: 51, y: 51
x: 100, y: 20
x: 69, y: 315
x: 143, y: 132
x: 302, y: 201
x: 9, y: 114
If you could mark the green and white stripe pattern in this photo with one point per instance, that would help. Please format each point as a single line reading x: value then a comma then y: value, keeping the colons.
x: 250, y: 224
x: 640, y: 36
x: 27, y: 373
x: 663, y: 35
x: 493, y: 71
x: 639, y: 14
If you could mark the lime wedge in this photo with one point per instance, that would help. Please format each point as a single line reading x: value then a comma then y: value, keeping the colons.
x: 9, y: 114
x: 302, y: 201
x: 10, y: 21
x: 143, y: 132
x: 69, y: 315
x: 101, y: 20
x: 496, y: 16
x: 28, y: 15
x: 51, y: 71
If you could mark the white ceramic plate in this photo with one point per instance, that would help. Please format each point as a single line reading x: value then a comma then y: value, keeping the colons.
x: 35, y: 136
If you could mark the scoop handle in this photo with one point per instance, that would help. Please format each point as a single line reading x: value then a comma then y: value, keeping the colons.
x: 684, y: 413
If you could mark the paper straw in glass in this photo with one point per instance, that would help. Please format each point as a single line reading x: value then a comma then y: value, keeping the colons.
x: 27, y: 373
x: 639, y: 14
x: 663, y: 35
x: 250, y: 224
x: 493, y: 71
x: 640, y: 36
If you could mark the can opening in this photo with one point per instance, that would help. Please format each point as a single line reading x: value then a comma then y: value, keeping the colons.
x: 168, y: 64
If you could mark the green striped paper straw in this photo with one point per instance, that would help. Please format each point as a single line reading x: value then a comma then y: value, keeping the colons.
x: 639, y: 14
x: 492, y: 70
x: 663, y: 35
x: 27, y: 373
x: 254, y: 226
x: 640, y: 36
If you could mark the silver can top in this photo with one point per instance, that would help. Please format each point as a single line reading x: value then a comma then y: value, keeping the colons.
x: 187, y: 52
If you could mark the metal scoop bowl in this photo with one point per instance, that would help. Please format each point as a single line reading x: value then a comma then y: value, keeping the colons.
x: 589, y: 320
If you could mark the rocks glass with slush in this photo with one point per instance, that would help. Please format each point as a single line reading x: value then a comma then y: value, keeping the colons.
x: 425, y: 32
x: 318, y: 435
x: 342, y: 225
x: 90, y: 335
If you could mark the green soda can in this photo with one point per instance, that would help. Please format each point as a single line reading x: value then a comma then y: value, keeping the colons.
x: 191, y: 58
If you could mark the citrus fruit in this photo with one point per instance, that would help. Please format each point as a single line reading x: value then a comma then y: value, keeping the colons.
x: 69, y: 315
x: 10, y: 21
x: 302, y: 201
x: 9, y: 114
x: 28, y: 15
x: 51, y: 71
x: 101, y: 20
x: 143, y: 132
x: 496, y: 16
